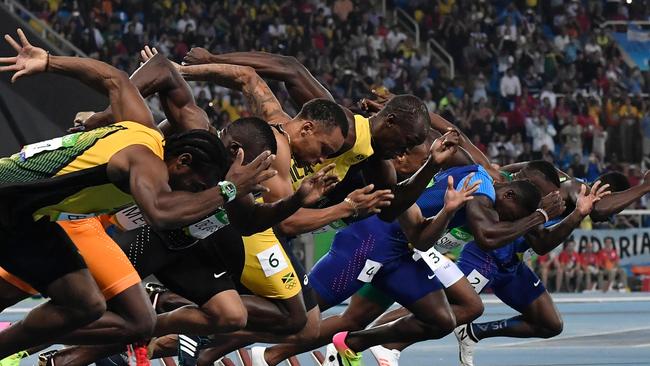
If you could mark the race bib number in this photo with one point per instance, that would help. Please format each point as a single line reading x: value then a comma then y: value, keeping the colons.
x: 67, y: 216
x: 477, y: 280
x: 50, y: 145
x: 272, y: 260
x: 129, y: 218
x: 455, y: 237
x: 433, y: 258
x: 208, y: 226
x: 369, y: 271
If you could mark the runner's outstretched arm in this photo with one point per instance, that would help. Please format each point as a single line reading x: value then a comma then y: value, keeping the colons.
x: 545, y: 240
x: 424, y: 232
x: 125, y: 100
x: 382, y: 174
x: 618, y: 201
x: 491, y: 233
x: 300, y: 83
x: 260, y: 98
x: 165, y: 209
x: 159, y: 75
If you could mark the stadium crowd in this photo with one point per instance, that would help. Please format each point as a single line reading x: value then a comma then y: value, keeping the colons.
x: 534, y: 79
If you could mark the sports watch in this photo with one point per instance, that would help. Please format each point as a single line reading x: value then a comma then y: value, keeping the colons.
x: 228, y: 190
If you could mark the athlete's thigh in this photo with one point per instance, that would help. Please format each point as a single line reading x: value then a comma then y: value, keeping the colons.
x: 145, y: 249
x: 133, y: 304
x: 519, y: 287
x: 335, y: 278
x: 542, y: 311
x: 363, y: 310
x: 268, y: 271
x: 406, y: 280
x: 38, y: 253
x: 198, y: 275
x: 225, y: 302
x: 108, y: 264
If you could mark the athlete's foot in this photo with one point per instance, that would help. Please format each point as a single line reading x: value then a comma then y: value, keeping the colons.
x: 13, y: 360
x: 257, y: 356
x: 385, y: 356
x: 347, y: 356
x: 466, y: 343
x: 46, y: 358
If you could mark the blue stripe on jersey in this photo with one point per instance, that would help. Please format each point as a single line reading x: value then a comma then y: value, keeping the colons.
x: 486, y: 188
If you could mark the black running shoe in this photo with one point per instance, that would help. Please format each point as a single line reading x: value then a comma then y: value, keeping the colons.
x: 188, y: 349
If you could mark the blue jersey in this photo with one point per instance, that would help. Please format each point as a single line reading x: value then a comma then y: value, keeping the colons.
x: 362, y: 247
x: 392, y: 241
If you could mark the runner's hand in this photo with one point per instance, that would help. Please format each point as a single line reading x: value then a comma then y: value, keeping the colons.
x: 79, y: 123
x: 247, y: 178
x: 585, y: 202
x: 29, y: 60
x: 148, y: 52
x: 366, y: 202
x: 445, y: 146
x: 382, y: 96
x: 317, y: 185
x: 553, y: 204
x: 197, y: 56
x: 456, y: 199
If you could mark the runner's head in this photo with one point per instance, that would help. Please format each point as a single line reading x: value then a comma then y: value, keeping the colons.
x: 196, y: 160
x: 251, y: 134
x: 399, y: 126
x: 408, y: 163
x: 516, y: 199
x: 542, y: 174
x: 317, y: 132
x: 617, y: 181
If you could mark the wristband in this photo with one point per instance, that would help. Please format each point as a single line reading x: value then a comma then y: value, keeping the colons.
x: 353, y: 205
x: 47, y: 63
x: 543, y: 212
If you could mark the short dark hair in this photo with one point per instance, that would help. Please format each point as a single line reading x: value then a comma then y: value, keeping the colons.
x: 205, y: 147
x: 254, y: 134
x: 326, y: 113
x: 617, y: 181
x: 546, y: 169
x: 527, y: 194
x: 410, y: 112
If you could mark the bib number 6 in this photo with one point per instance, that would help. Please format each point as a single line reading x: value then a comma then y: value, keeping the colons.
x: 272, y: 260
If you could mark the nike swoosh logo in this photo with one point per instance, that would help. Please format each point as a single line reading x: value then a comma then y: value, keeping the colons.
x: 220, y: 274
x: 537, y: 283
x: 431, y: 276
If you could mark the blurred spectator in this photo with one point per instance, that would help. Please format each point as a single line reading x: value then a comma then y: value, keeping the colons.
x: 529, y: 77
x: 548, y: 267
x: 591, y: 268
x: 570, y: 264
x: 609, y: 263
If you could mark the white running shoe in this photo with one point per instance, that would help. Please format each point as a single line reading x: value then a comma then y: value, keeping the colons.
x: 385, y: 356
x: 466, y: 345
x: 257, y: 356
x: 331, y: 356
